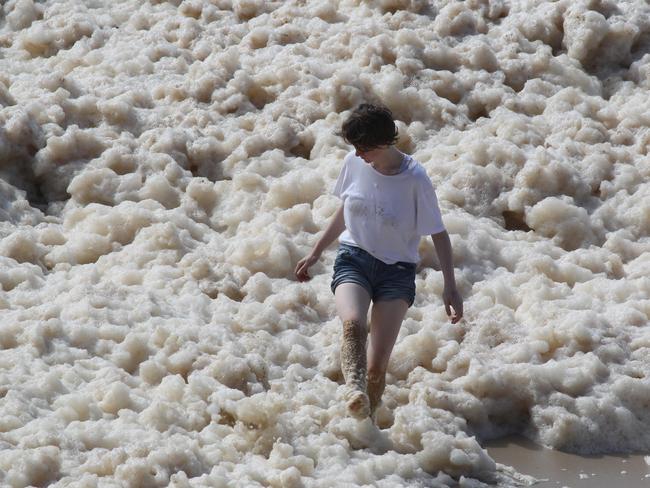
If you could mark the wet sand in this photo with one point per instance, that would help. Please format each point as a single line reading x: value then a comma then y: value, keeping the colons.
x: 557, y: 469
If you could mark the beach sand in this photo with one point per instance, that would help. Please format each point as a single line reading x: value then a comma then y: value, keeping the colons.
x: 556, y: 469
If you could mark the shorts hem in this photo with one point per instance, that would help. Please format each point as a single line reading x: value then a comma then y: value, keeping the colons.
x: 385, y: 298
x: 365, y: 286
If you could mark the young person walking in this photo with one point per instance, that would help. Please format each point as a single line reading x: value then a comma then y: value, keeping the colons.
x: 388, y: 204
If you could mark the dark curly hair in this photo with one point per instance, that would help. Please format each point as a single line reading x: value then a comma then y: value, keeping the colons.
x: 369, y: 127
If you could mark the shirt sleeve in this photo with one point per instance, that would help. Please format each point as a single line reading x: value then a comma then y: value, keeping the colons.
x: 343, y: 181
x: 428, y: 217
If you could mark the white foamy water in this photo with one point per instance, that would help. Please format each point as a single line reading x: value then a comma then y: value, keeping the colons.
x: 166, y: 164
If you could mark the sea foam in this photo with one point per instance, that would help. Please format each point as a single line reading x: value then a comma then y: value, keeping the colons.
x: 166, y: 164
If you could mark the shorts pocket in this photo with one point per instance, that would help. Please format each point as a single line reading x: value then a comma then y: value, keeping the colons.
x: 344, y: 252
x: 343, y: 258
x: 347, y: 252
x: 343, y: 255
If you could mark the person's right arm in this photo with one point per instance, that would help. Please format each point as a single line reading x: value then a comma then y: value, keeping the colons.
x: 334, y: 229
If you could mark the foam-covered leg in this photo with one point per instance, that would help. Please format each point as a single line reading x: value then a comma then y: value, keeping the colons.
x: 353, y: 365
x: 376, y: 385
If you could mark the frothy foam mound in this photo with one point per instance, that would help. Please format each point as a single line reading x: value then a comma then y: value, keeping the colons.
x: 164, y: 165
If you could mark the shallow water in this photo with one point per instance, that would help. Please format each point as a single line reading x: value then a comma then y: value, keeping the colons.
x: 554, y: 469
x: 166, y: 164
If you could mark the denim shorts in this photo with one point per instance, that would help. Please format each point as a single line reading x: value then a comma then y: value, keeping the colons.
x: 382, y: 281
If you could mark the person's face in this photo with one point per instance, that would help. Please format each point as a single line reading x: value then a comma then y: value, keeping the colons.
x: 367, y: 154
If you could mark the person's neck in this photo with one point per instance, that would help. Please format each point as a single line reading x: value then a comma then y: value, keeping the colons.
x: 388, y: 161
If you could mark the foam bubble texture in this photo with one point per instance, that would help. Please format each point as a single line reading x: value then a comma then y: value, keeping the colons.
x: 164, y: 165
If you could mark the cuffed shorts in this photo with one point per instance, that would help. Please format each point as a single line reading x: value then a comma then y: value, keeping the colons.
x: 382, y: 281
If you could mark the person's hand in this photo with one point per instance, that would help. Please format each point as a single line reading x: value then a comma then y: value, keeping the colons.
x: 453, y: 304
x: 303, y: 266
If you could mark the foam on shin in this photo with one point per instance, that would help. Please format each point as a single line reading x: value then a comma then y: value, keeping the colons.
x: 353, y: 365
x: 376, y: 385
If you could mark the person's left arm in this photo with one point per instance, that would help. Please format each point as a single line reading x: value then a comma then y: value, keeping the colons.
x: 450, y: 296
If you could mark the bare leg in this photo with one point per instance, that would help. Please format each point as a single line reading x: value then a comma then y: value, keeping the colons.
x: 352, y: 302
x: 385, y: 322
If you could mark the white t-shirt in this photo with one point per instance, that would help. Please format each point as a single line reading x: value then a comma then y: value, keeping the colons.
x: 386, y: 215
